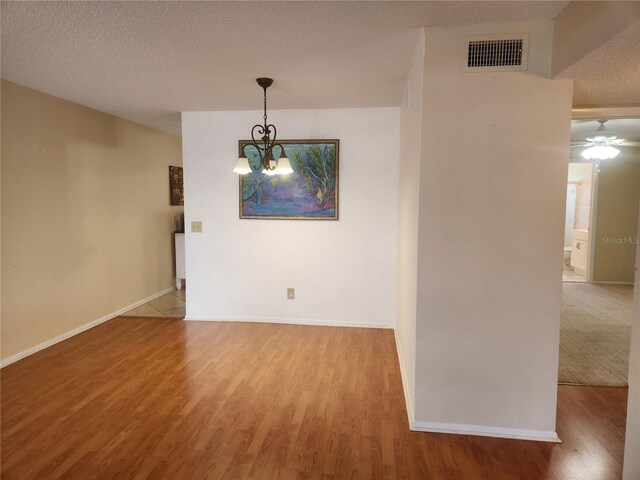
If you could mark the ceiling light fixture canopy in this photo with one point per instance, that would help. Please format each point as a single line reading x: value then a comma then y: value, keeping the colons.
x: 264, y: 145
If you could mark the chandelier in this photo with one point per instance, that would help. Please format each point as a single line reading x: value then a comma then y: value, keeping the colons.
x: 264, y: 145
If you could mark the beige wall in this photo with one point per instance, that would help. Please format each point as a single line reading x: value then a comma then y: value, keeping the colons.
x: 616, y: 218
x: 86, y: 221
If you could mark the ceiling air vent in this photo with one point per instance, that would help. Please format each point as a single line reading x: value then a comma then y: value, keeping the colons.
x: 493, y: 53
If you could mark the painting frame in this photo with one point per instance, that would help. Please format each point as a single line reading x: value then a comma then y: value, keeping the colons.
x: 293, y: 146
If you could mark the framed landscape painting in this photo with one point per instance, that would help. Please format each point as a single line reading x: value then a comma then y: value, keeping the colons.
x: 309, y: 193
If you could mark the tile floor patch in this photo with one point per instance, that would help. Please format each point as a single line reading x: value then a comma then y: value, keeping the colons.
x: 170, y: 304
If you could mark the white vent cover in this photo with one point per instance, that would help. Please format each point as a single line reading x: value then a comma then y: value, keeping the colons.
x: 495, y: 53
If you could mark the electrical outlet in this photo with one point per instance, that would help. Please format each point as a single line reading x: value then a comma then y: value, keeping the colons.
x: 196, y: 227
x: 291, y: 293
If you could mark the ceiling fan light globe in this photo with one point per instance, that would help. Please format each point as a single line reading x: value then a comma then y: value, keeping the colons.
x: 600, y: 152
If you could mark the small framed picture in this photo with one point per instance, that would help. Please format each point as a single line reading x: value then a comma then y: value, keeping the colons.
x: 176, y: 186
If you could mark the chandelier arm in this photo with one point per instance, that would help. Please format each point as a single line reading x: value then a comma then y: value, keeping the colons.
x: 255, y: 169
x: 262, y: 151
x: 269, y: 144
x: 281, y: 148
x: 275, y: 134
x: 261, y: 131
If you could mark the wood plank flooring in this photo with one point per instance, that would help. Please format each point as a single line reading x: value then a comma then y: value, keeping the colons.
x: 160, y: 398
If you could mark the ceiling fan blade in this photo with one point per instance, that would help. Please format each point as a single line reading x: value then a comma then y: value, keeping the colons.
x: 579, y: 146
x: 621, y: 142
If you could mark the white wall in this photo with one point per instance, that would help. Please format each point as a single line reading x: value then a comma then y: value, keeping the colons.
x: 343, y: 272
x: 492, y: 193
x: 632, y: 437
x: 570, y: 218
x: 579, y: 191
x: 408, y: 198
x: 583, y: 174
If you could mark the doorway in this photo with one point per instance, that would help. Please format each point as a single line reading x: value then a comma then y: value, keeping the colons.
x: 599, y: 256
x: 578, y: 222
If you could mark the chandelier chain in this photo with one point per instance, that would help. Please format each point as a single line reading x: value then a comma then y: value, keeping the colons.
x: 265, y: 107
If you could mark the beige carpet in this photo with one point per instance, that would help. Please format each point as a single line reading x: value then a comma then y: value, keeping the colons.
x: 595, y: 334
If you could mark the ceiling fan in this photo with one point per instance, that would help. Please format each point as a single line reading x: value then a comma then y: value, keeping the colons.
x: 601, y: 144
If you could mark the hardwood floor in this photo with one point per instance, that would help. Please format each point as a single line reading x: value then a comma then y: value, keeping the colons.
x: 162, y: 398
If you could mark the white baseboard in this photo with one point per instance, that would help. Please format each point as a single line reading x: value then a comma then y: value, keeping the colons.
x: 612, y: 283
x: 462, y: 429
x: 485, y: 431
x: 80, y: 329
x: 403, y: 378
x: 290, y: 321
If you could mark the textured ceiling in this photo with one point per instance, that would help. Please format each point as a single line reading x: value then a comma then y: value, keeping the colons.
x: 147, y: 61
x: 610, y: 74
